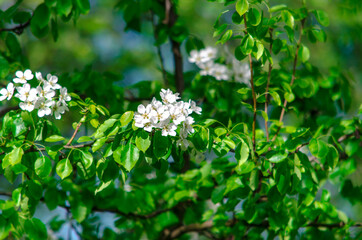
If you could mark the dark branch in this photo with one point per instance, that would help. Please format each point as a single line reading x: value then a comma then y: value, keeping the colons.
x: 17, y: 29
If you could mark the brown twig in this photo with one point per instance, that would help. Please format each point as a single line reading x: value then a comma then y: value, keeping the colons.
x: 17, y: 29
x: 267, y: 85
x: 252, y: 89
x: 293, y: 76
x: 75, y: 133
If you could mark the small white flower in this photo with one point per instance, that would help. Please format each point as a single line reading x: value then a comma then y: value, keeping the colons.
x: 206, y: 68
x: 7, y: 93
x: 176, y: 115
x: 194, y: 107
x: 44, y: 106
x: 45, y: 93
x: 241, y: 72
x: 208, y: 54
x: 195, y: 57
x: 63, y: 95
x: 145, y: 115
x: 27, y: 105
x: 169, y: 129
x: 220, y: 72
x: 26, y: 93
x: 168, y: 96
x: 51, y: 82
x: 187, y: 125
x: 58, y: 108
x: 22, y: 77
x: 39, y: 76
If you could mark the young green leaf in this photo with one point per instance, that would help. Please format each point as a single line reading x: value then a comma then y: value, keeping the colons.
x: 242, y: 6
x: 129, y: 156
x: 64, y: 168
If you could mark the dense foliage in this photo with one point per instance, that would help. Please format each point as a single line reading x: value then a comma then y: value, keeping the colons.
x: 211, y: 158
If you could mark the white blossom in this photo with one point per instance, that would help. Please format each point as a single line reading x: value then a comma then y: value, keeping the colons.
x: 7, y: 93
x: 26, y: 93
x: 23, y: 77
x: 241, y: 72
x: 208, y: 54
x: 44, y: 106
x: 58, y: 108
x: 63, y: 95
x: 167, y: 116
x: 42, y: 98
x: 52, y: 82
x: 220, y: 72
x: 168, y: 96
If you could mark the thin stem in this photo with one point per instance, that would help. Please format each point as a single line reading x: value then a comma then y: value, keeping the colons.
x: 293, y: 76
x: 75, y: 133
x: 252, y: 89
x: 267, y: 85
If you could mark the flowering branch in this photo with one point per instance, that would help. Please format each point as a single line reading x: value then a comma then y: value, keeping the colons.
x: 267, y: 85
x: 293, y: 76
x: 252, y: 88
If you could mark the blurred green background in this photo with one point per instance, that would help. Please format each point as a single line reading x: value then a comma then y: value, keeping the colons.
x: 98, y: 41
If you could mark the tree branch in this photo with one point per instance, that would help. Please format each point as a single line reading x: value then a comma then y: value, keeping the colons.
x: 267, y: 85
x: 293, y: 76
x: 252, y: 89
x: 159, y: 53
x: 170, y: 19
x: 17, y: 29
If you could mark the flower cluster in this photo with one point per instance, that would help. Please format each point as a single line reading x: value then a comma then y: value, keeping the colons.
x: 167, y: 116
x: 205, y: 60
x: 43, y: 97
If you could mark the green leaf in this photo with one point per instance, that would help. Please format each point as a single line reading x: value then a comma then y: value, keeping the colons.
x: 241, y: 153
x: 247, y: 44
x: 318, y: 148
x: 276, y: 157
x: 277, y: 8
x: 41, y: 16
x: 35, y: 229
x: 84, y: 139
x: 87, y: 158
x: 304, y: 53
x: 220, y: 30
x: 99, y: 143
x: 245, y: 168
x: 276, y: 97
x: 43, y: 167
x: 54, y: 138
x: 15, y: 156
x: 4, y: 67
x: 161, y: 144
x: 12, y: 44
x: 64, y: 168
x: 126, y: 118
x: 260, y: 50
x: 254, y: 179
x: 64, y: 7
x: 288, y: 18
x: 289, y: 96
x: 254, y: 16
x: 129, y: 156
x: 332, y: 156
x: 241, y: 6
x: 277, y: 46
x: 227, y: 35
x: 104, y: 127
x: 322, y: 17
x: 83, y: 6
x: 143, y: 141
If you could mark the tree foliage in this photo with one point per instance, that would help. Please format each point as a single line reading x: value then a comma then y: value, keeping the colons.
x: 246, y: 173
